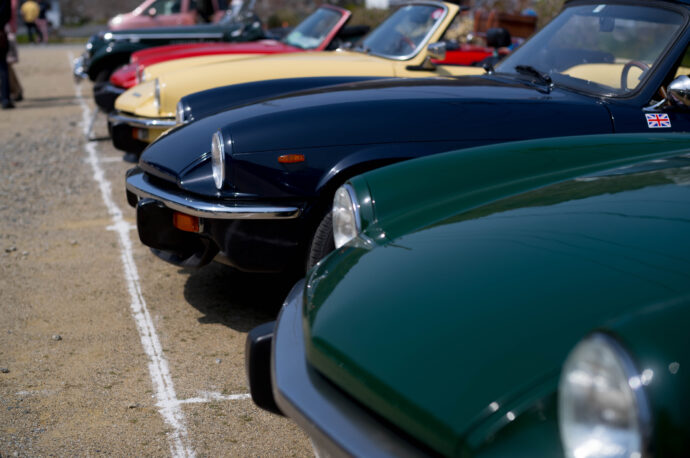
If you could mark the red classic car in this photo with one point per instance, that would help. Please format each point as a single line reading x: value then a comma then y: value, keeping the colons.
x: 128, y: 75
x: 324, y: 29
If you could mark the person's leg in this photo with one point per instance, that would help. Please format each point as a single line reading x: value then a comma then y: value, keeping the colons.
x: 4, y: 81
x: 16, y: 90
x: 43, y: 28
x: 30, y: 26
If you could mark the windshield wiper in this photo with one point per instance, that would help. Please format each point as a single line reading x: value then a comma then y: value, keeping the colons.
x: 529, y: 70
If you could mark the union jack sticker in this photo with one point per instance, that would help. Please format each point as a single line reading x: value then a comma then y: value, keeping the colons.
x: 660, y: 120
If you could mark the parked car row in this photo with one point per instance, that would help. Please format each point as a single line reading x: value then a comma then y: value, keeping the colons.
x: 495, y: 259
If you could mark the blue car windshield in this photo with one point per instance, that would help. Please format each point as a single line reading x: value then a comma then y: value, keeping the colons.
x: 311, y: 32
x: 604, y: 49
x: 404, y: 33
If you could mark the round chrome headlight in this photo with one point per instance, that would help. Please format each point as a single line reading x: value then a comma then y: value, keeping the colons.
x: 218, y: 159
x: 157, y: 94
x: 602, y: 407
x: 180, y: 113
x: 346, y: 220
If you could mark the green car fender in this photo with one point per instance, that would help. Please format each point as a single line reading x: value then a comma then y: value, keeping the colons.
x: 401, y: 198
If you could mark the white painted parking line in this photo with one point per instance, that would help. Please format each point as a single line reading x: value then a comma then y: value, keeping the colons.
x: 168, y: 404
x: 209, y: 396
x: 110, y: 159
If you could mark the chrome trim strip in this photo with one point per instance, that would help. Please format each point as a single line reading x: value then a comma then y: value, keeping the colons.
x: 134, y: 121
x: 337, y: 425
x: 160, y: 36
x: 180, y: 201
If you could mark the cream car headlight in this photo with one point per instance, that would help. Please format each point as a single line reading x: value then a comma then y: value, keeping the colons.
x: 218, y: 159
x: 602, y: 407
x: 346, y: 219
x: 157, y: 94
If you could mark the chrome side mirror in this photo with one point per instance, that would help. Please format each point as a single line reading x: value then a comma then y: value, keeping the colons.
x: 437, y: 50
x: 679, y: 91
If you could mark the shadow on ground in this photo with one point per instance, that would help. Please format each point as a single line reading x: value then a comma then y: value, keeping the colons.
x: 46, y: 102
x: 235, y: 299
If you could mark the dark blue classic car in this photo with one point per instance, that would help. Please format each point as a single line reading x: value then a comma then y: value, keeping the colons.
x: 252, y: 186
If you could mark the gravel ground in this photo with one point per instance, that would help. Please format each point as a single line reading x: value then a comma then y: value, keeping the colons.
x: 75, y: 378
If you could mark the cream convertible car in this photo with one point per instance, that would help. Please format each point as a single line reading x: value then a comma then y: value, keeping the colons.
x: 398, y: 47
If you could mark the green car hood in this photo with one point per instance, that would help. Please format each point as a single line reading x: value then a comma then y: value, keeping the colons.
x: 453, y: 326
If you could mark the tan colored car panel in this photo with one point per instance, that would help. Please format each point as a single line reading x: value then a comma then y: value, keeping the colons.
x: 154, y: 71
x: 186, y: 79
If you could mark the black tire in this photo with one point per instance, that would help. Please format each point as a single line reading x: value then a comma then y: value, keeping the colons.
x: 322, y: 243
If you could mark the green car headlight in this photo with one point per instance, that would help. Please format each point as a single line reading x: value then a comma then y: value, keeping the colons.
x: 346, y: 219
x: 218, y: 159
x: 157, y: 94
x: 602, y: 407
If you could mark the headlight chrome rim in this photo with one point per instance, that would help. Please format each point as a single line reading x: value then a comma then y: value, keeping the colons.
x: 341, y: 236
x: 218, y: 159
x: 639, y: 410
x: 157, y: 94
x: 180, y: 113
x: 139, y: 74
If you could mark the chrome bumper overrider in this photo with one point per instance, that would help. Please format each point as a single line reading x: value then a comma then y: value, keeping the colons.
x: 78, y: 69
x: 134, y: 121
x: 336, y: 425
x: 180, y: 201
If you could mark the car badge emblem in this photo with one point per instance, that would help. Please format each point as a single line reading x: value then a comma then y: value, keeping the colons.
x: 136, y: 94
x: 656, y: 121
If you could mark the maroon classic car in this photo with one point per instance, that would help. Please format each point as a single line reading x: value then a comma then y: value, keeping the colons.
x: 166, y: 13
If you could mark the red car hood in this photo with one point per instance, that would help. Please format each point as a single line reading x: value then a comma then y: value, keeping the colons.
x: 125, y: 77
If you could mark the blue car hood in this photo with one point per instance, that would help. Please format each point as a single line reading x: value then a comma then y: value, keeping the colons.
x: 469, y: 110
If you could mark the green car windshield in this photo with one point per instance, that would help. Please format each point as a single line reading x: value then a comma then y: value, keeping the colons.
x: 404, y: 33
x: 604, y: 49
x: 311, y: 32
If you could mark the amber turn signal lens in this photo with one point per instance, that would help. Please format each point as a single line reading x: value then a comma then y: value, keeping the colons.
x: 186, y: 223
x: 291, y: 158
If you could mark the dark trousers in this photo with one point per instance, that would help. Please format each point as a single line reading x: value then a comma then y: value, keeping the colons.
x: 4, y: 72
x: 30, y: 29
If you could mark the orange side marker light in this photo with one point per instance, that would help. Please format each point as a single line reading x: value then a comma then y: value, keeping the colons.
x: 186, y: 223
x: 291, y: 158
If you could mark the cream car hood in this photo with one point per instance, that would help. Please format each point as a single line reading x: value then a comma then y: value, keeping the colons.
x: 156, y: 70
x: 177, y: 84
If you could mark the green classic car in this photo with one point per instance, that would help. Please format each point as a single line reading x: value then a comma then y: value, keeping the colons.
x: 523, y: 299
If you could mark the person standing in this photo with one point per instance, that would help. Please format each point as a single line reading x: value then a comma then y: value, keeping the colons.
x: 42, y: 20
x: 16, y: 90
x: 5, y: 16
x: 30, y: 11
